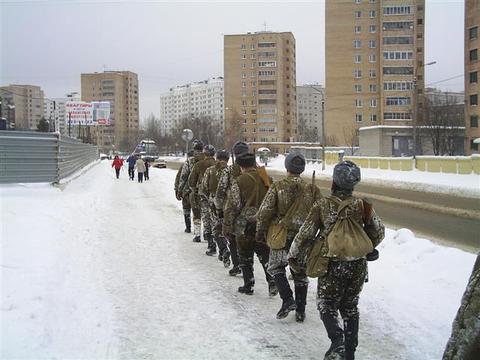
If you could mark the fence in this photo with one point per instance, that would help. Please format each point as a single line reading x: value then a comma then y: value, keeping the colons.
x: 41, y: 157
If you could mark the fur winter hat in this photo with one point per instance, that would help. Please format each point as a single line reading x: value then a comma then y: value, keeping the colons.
x: 239, y: 148
x: 346, y: 175
x: 209, y: 150
x: 295, y: 163
x: 223, y: 155
x: 197, y: 145
x: 245, y: 160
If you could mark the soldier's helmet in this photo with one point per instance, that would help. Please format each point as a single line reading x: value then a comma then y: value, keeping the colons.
x: 295, y: 163
x: 240, y: 148
x: 223, y: 155
x: 209, y: 150
x: 346, y: 175
x: 197, y: 145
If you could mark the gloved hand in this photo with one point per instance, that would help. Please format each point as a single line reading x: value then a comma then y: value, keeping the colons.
x: 178, y: 195
x: 261, y: 237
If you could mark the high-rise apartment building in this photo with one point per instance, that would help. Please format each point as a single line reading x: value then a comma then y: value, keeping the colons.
x: 472, y: 86
x: 309, y: 112
x: 260, y: 87
x: 22, y: 105
x: 374, y: 64
x: 195, y: 100
x: 120, y: 88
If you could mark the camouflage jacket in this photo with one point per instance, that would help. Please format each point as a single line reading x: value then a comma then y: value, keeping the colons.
x: 324, y: 213
x: 177, y: 178
x: 209, y: 184
x: 186, y: 171
x: 248, y: 186
x: 224, y: 184
x: 196, y: 176
x: 280, y: 197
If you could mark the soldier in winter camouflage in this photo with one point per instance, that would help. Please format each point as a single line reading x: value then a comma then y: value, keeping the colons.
x: 201, y: 202
x: 288, y: 200
x: 225, y: 181
x: 184, y: 187
x: 339, y: 289
x: 208, y: 189
x: 244, y: 199
x: 184, y: 197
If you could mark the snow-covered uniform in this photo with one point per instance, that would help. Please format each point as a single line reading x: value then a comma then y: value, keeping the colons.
x: 185, y: 200
x: 280, y: 197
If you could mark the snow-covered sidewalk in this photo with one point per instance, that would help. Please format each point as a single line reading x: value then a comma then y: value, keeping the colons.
x: 101, y: 269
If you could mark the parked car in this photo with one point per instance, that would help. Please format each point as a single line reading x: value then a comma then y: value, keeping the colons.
x: 159, y: 164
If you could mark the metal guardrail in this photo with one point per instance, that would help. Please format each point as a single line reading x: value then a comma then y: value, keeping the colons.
x: 28, y: 157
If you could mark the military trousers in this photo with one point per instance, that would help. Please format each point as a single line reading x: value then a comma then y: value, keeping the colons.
x: 247, y: 248
x: 195, y: 204
x: 187, y: 208
x: 277, y: 264
x: 216, y: 226
x: 205, y: 215
x: 339, y: 289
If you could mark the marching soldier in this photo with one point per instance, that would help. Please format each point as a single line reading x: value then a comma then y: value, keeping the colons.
x: 340, y: 286
x: 184, y: 188
x: 225, y: 181
x: 201, y: 202
x: 287, y: 205
x: 244, y: 199
x: 184, y: 198
x: 208, y: 189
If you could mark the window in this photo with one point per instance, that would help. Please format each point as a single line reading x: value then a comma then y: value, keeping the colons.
x: 372, y: 58
x: 252, y: 56
x: 474, y: 121
x: 397, y: 70
x: 372, y: 44
x: 373, y: 117
x: 244, y: 84
x: 372, y: 87
x: 357, y: 44
x: 473, y: 32
x: 397, y: 85
x: 244, y: 56
x: 358, y: 117
x: 398, y: 101
x: 357, y: 29
x: 267, y: 101
x: 358, y: 1
x: 357, y: 73
x: 358, y: 103
x: 397, y: 10
x: 266, y: 44
x: 244, y: 75
x: 357, y: 59
x: 244, y: 112
x: 398, y: 25
x: 474, y: 100
x: 420, y: 21
x: 473, y: 146
x: 267, y: 92
x: 358, y: 14
x: 252, y: 46
x: 358, y: 88
x: 372, y: 13
x: 397, y: 116
x: 267, y: 63
x: 266, y: 73
x: 473, y: 55
x: 397, y: 40
x: 373, y: 73
x: 244, y: 65
x: 473, y: 77
x: 398, y: 55
x: 372, y: 29
x: 243, y: 46
x: 373, y: 103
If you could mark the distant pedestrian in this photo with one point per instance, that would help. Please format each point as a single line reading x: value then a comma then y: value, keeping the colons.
x: 132, y: 159
x: 147, y: 168
x: 117, y: 164
x: 140, y: 166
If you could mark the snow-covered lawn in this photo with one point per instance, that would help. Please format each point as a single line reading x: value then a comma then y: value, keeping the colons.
x: 100, y: 268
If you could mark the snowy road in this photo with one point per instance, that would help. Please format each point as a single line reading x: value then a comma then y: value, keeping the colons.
x: 102, y: 269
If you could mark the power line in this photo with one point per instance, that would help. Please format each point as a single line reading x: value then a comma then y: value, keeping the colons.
x: 447, y: 79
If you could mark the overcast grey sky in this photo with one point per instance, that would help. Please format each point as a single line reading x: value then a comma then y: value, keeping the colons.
x: 50, y: 42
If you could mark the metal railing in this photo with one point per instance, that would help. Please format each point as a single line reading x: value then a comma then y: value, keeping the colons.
x: 27, y: 156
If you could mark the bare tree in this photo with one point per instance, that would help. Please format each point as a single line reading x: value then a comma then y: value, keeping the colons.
x: 306, y: 133
x: 331, y: 140
x: 350, y: 134
x: 442, y: 123
x: 204, y: 128
x: 233, y: 129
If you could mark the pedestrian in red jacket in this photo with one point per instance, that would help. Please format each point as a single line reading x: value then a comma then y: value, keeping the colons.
x: 117, y: 164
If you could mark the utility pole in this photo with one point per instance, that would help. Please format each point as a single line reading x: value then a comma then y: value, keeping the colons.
x: 323, y: 132
x: 69, y: 123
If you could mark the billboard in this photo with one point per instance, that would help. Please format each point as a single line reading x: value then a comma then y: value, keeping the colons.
x: 78, y: 113
x: 101, y: 113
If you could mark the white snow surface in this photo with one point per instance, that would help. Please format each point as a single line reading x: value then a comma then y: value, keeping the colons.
x: 459, y: 184
x: 101, y: 269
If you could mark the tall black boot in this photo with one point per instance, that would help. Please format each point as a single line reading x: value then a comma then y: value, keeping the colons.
x: 301, y: 301
x: 232, y: 245
x: 288, y: 303
x: 212, y: 248
x: 350, y: 327
x: 335, y: 334
x: 248, y: 280
x: 188, y: 224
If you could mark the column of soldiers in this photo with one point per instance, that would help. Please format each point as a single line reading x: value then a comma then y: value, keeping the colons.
x: 237, y: 204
